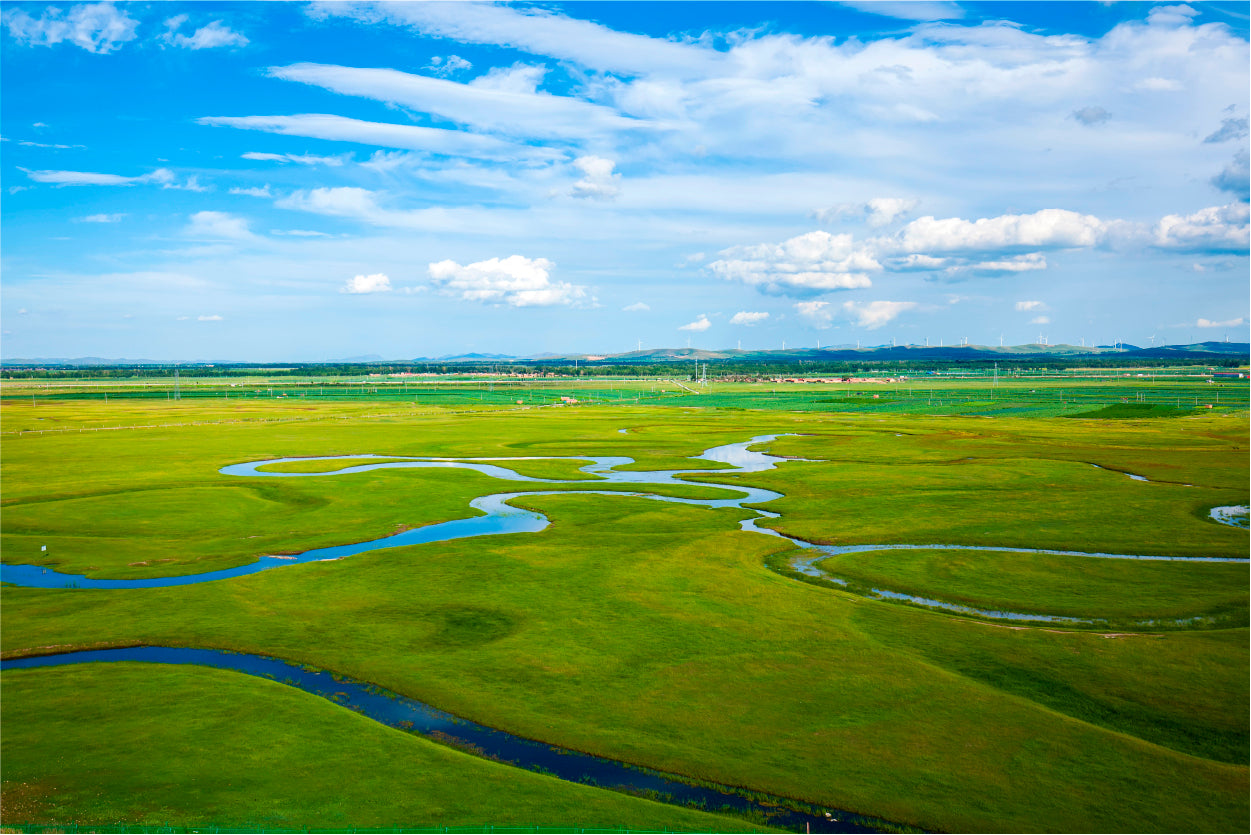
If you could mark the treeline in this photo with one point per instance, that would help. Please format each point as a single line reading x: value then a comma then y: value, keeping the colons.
x: 721, y: 369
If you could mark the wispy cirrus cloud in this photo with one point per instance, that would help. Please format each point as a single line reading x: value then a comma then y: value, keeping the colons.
x: 504, y: 101
x: 299, y: 159
x: 90, y: 178
x: 538, y: 32
x: 384, y: 134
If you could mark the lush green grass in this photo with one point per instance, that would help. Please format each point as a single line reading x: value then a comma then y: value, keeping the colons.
x: 1084, y: 587
x: 653, y: 632
x: 1132, y: 411
x: 188, y: 746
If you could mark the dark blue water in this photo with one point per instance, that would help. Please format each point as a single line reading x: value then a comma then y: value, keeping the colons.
x: 407, y: 714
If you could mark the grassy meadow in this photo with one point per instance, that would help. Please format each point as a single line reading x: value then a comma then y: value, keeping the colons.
x: 643, y: 631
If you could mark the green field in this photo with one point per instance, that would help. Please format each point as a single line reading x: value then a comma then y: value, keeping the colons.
x: 642, y: 631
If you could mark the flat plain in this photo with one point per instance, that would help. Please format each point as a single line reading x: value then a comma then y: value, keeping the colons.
x: 648, y: 632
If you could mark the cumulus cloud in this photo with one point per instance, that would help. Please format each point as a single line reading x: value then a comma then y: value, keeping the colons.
x: 218, y: 226
x: 815, y: 261
x: 700, y: 324
x: 817, y: 314
x: 1091, y: 115
x: 1215, y: 229
x: 873, y: 315
x: 301, y: 159
x: 516, y: 281
x: 96, y: 27
x: 1048, y: 228
x: 213, y: 318
x: 1040, y: 320
x: 376, y: 283
x: 1235, y: 178
x: 448, y: 66
x: 161, y: 176
x: 1228, y: 323
x: 744, y: 317
x: 1230, y: 129
x: 113, y: 218
x: 637, y: 307
x: 1030, y: 305
x: 598, y: 180
x: 215, y: 34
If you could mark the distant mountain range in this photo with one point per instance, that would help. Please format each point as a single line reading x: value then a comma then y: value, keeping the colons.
x: 878, y: 353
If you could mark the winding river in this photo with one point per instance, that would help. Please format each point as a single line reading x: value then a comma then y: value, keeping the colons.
x: 497, y: 516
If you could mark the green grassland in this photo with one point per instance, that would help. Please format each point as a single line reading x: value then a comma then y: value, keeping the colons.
x: 644, y: 631
x: 1112, y: 590
x: 279, y: 759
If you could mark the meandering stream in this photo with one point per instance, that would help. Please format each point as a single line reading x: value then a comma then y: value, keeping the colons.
x: 500, y: 517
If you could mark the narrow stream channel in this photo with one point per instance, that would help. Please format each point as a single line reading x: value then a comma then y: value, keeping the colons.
x: 407, y: 714
x: 499, y: 517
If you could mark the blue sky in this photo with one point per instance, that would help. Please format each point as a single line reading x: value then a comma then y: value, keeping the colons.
x: 288, y: 181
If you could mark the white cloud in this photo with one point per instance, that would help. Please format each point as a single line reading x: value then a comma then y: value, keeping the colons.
x: 1215, y: 229
x: 1030, y: 305
x: 539, y: 32
x: 26, y: 143
x: 215, y: 34
x: 810, y: 262
x: 817, y: 313
x: 873, y: 315
x: 516, y: 281
x: 87, y: 178
x: 376, y: 283
x: 384, y: 134
x: 1017, y: 264
x: 253, y: 191
x: 1040, y: 320
x: 450, y: 65
x: 637, y: 307
x: 300, y: 233
x: 192, y: 183
x: 218, y: 226
x: 699, y: 325
x: 502, y: 101
x: 914, y: 262
x: 744, y: 317
x: 1171, y: 15
x: 301, y: 159
x: 96, y: 27
x: 1228, y: 323
x: 212, y: 318
x: 913, y: 10
x: 598, y: 181
x: 113, y: 218
x: 1048, y: 228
